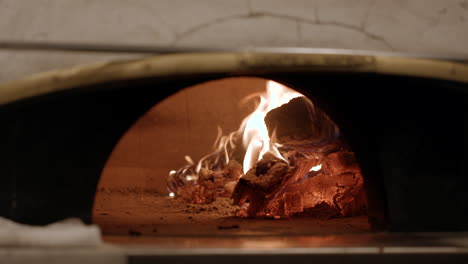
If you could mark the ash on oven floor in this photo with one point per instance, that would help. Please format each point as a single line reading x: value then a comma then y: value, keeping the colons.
x: 174, y: 217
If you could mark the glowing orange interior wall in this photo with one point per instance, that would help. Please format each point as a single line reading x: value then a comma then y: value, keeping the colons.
x: 185, y: 123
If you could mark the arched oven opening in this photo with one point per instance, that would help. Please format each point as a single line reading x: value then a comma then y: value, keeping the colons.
x: 237, y: 155
x: 404, y: 119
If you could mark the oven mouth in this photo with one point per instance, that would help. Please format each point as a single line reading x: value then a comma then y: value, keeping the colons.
x: 57, y: 118
x: 234, y: 156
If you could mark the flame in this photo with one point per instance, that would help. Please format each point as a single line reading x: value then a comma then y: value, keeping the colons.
x: 255, y: 136
x: 253, y: 130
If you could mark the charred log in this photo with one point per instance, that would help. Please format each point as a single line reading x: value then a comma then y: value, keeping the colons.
x: 322, y: 179
x: 209, y: 184
x: 300, y: 122
x: 260, y: 183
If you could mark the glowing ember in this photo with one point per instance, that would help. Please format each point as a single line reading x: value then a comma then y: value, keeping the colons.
x: 293, y: 162
x: 316, y: 168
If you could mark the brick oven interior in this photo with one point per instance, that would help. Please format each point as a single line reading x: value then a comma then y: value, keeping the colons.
x: 132, y: 196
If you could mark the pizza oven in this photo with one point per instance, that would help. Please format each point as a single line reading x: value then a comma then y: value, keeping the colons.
x: 321, y: 149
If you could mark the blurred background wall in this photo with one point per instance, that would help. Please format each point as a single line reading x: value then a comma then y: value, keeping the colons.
x: 422, y: 26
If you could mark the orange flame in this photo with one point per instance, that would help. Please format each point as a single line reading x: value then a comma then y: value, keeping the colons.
x: 255, y: 134
x: 255, y: 138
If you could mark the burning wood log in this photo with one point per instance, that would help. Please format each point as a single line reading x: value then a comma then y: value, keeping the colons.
x: 312, y: 173
x: 322, y: 174
x: 207, y: 185
x: 300, y: 122
x: 337, y: 187
x: 260, y: 183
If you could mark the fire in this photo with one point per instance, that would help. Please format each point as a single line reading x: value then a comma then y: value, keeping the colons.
x: 317, y: 174
x: 252, y: 136
x: 253, y: 130
x: 255, y: 134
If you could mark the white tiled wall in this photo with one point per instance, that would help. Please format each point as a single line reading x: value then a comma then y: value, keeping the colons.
x: 423, y: 26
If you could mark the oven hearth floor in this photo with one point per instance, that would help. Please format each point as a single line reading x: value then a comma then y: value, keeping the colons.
x: 146, y: 228
x: 152, y: 215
